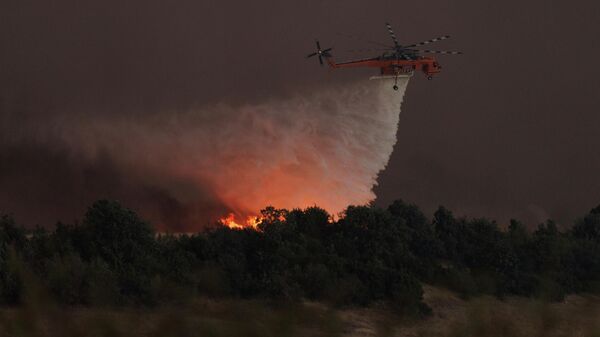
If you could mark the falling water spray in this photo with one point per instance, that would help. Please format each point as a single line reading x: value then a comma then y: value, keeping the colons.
x: 324, y: 147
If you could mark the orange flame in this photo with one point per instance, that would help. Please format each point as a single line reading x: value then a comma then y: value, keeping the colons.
x: 231, y: 222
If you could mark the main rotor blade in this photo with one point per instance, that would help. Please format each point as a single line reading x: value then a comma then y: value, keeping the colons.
x: 318, y: 45
x: 362, y: 39
x: 430, y: 41
x: 439, y: 52
x: 368, y: 50
x: 326, y: 50
x: 320, y: 59
x: 311, y: 55
x: 391, y: 31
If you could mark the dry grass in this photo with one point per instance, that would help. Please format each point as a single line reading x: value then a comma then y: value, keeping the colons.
x: 202, y: 317
x: 487, y: 316
x: 453, y: 317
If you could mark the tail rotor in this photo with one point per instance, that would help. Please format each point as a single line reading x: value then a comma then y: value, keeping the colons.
x: 320, y: 53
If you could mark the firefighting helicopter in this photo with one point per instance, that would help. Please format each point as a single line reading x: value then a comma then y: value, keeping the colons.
x: 396, y: 59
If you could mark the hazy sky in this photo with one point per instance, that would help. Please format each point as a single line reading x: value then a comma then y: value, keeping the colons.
x: 509, y: 129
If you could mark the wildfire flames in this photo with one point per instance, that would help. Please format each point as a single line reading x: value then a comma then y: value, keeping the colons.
x: 231, y: 222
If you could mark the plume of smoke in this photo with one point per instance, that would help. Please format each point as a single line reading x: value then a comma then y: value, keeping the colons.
x: 322, y: 148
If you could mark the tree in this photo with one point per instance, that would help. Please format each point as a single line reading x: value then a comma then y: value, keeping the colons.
x: 118, y: 236
x: 550, y: 250
x: 312, y: 221
x: 589, y: 226
x: 422, y: 239
x: 448, y: 231
x: 12, y: 243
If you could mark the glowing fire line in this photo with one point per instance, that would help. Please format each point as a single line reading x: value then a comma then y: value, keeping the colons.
x: 231, y: 222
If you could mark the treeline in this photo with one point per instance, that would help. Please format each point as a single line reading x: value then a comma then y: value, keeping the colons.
x: 370, y: 255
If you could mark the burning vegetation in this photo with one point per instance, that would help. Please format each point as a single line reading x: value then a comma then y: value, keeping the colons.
x: 267, y: 215
x: 233, y: 222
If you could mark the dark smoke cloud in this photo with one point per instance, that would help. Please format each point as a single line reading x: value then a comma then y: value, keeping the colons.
x: 509, y: 129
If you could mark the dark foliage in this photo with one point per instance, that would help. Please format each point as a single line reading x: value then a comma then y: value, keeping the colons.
x: 369, y: 255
